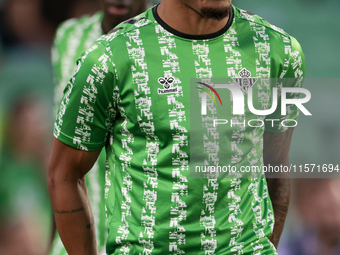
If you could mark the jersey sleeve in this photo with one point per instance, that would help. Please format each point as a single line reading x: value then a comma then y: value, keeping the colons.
x: 88, y: 107
x: 291, y: 76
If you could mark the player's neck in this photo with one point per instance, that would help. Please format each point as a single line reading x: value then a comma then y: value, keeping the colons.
x: 183, y: 19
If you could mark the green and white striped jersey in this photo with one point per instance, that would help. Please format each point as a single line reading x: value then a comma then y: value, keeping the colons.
x: 73, y: 37
x: 131, y: 94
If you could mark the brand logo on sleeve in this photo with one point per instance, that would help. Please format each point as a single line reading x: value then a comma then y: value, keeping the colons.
x: 167, y: 85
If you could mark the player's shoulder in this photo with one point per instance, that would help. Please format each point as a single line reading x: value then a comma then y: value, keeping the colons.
x: 253, y: 19
x: 246, y: 16
x: 129, y: 28
x: 277, y: 34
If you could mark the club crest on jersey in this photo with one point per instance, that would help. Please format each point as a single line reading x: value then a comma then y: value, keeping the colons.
x: 245, y: 81
x: 167, y: 82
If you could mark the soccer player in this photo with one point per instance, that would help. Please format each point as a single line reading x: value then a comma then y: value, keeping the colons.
x: 72, y: 38
x: 131, y: 94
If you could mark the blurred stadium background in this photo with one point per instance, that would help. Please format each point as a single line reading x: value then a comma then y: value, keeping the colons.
x: 26, y: 96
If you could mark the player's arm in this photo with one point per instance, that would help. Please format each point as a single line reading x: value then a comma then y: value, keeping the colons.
x: 275, y: 152
x: 70, y: 201
x: 56, y: 52
x: 84, y: 120
x: 277, y: 138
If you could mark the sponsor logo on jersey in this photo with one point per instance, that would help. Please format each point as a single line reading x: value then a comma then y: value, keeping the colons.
x: 245, y: 81
x: 167, y: 82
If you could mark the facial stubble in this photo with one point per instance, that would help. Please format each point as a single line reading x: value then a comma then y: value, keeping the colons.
x: 215, y: 13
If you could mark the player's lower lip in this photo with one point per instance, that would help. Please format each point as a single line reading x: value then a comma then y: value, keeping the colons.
x: 119, y: 11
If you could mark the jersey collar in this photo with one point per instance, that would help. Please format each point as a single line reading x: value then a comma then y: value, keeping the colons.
x: 194, y: 37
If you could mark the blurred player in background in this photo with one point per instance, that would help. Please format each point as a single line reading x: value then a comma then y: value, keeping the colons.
x: 72, y: 38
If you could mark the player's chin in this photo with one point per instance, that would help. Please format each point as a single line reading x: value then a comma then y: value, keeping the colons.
x: 222, y: 5
x: 218, y: 3
x: 215, y: 13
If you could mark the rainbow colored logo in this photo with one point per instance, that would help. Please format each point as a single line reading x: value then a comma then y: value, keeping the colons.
x: 209, y: 93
